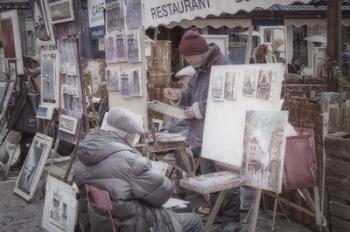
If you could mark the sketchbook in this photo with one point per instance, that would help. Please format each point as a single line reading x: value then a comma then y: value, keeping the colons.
x: 166, y: 109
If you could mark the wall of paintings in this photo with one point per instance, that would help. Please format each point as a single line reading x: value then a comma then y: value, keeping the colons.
x: 126, y: 72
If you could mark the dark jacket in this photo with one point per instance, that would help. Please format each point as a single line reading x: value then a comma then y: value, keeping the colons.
x: 137, y: 193
x: 197, y: 91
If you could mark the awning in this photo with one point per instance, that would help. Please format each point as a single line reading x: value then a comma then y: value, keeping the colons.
x: 215, y: 23
x: 164, y: 12
x: 311, y: 22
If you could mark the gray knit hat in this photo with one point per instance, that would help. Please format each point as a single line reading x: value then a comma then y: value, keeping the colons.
x: 125, y: 120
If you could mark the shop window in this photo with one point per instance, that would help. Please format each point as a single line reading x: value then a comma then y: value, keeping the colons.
x: 300, y: 45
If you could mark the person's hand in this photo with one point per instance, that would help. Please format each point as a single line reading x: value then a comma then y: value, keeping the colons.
x: 171, y: 94
x: 189, y: 112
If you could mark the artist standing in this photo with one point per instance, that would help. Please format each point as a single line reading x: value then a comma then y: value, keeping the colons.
x: 201, y: 57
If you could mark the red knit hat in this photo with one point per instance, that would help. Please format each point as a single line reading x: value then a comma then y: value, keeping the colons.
x: 192, y: 43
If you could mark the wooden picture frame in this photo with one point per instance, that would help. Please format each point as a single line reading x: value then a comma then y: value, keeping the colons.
x: 33, y: 166
x: 10, y: 30
x: 61, y: 11
x: 60, y: 207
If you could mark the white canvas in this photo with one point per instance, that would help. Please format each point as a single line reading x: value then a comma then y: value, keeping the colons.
x: 121, y: 47
x: 68, y: 124
x: 133, y: 44
x: 225, y: 120
x: 33, y: 166
x: 60, y: 208
x: 113, y: 78
x: 110, y: 49
x: 264, y: 149
x: 61, y: 11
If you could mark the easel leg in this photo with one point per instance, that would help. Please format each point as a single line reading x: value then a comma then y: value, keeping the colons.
x: 254, y: 220
x: 72, y: 159
x: 215, y: 210
x: 274, y: 214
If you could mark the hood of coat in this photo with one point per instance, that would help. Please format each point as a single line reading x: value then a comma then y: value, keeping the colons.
x: 99, y: 145
x: 214, y: 58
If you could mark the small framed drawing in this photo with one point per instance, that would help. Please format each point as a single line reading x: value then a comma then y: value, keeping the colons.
x: 60, y: 207
x: 45, y: 112
x: 68, y: 124
x: 61, y: 11
x: 11, y: 38
x: 33, y: 166
x: 50, y: 78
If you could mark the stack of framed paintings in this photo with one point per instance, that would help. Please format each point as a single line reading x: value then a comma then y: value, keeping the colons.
x: 249, y: 94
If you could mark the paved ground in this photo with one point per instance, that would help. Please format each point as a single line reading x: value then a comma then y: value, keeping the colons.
x: 16, y: 215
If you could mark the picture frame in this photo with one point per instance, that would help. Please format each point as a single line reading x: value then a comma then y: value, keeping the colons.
x: 110, y: 49
x: 121, y: 47
x: 133, y: 14
x: 6, y: 100
x: 113, y: 80
x: 11, y: 40
x: 45, y: 112
x: 135, y: 82
x: 68, y: 124
x: 60, y: 206
x: 114, y: 15
x: 50, y: 78
x: 264, y: 149
x: 65, y: 132
x: 42, y: 23
x: 3, y: 91
x: 33, y: 166
x: 221, y: 40
x: 276, y: 36
x: 61, y: 11
x: 133, y: 46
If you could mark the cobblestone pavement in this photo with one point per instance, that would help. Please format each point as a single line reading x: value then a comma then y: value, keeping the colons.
x: 16, y: 215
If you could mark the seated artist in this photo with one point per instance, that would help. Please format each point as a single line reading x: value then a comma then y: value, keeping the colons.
x: 108, y: 160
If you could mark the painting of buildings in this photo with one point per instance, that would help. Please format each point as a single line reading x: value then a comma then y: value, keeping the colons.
x: 250, y: 82
x: 264, y: 84
x: 264, y: 143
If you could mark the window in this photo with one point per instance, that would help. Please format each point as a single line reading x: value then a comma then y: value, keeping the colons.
x: 300, y: 45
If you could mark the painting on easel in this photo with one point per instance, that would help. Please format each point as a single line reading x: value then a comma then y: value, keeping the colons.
x: 264, y: 146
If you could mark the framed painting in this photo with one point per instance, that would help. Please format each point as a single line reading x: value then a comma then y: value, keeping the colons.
x: 11, y: 38
x: 42, y: 24
x: 276, y: 36
x: 68, y: 124
x: 33, y: 166
x: 264, y: 149
x: 60, y: 207
x: 61, y: 11
x: 220, y: 40
x: 50, y: 78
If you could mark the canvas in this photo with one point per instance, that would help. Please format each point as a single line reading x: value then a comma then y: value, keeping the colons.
x: 276, y: 36
x: 95, y: 69
x: 114, y: 15
x: 60, y: 207
x: 11, y: 40
x: 135, y: 83
x: 3, y: 90
x: 42, y: 23
x: 120, y: 46
x: 217, y: 88
x: 230, y: 92
x: 250, y: 82
x: 70, y: 80
x: 33, y: 166
x: 264, y: 84
x: 125, y: 84
x: 264, y: 149
x: 6, y: 100
x: 133, y: 44
x: 110, y: 49
x: 61, y: 11
x: 50, y: 78
x: 113, y: 79
x: 133, y: 13
x: 222, y: 136
x: 45, y: 112
x: 70, y: 126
